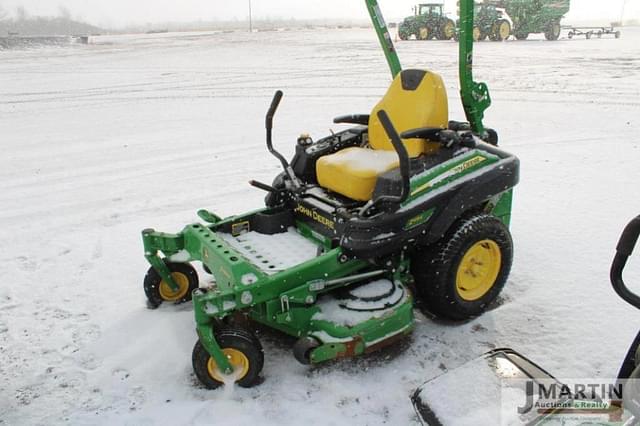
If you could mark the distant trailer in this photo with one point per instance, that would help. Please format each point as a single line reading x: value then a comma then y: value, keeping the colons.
x: 589, y: 32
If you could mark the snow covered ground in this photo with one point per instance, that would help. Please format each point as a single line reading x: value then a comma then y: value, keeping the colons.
x: 101, y: 141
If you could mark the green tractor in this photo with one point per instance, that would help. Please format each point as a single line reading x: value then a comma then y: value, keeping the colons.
x: 429, y: 21
x: 403, y: 202
x: 491, y: 22
x: 536, y: 16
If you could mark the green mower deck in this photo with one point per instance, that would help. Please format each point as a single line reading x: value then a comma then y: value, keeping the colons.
x: 283, y: 298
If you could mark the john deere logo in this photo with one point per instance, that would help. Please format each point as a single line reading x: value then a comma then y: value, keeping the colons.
x: 460, y: 168
x: 315, y: 216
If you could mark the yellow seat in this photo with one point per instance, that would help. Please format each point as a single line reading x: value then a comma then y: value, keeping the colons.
x: 415, y: 99
x: 353, y: 171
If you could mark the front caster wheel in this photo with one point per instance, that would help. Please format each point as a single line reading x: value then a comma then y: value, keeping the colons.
x: 303, y: 348
x: 158, y: 291
x: 242, y: 349
x: 466, y: 270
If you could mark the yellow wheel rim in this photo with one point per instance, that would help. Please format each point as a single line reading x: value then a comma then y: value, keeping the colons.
x: 424, y: 33
x: 476, y: 33
x: 505, y: 31
x: 169, y: 295
x: 238, y: 361
x: 449, y: 30
x: 478, y: 270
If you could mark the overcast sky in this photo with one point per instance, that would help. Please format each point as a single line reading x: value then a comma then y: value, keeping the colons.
x: 127, y: 12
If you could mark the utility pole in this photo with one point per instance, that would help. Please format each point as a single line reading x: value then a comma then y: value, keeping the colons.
x: 624, y: 5
x: 250, y: 18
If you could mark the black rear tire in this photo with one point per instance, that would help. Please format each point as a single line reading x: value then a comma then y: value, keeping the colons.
x: 157, y: 291
x: 423, y: 33
x: 477, y: 33
x: 235, y: 339
x: 447, y: 30
x: 437, y: 269
x: 501, y: 30
x: 553, y: 31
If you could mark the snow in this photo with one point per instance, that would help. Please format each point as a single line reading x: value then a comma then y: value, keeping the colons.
x: 272, y: 253
x: 478, y: 402
x: 332, y: 309
x: 180, y: 256
x: 102, y: 141
x: 364, y: 162
x: 372, y: 289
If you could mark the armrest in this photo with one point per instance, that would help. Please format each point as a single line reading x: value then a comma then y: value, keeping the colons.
x: 431, y: 133
x: 448, y: 138
x: 362, y: 119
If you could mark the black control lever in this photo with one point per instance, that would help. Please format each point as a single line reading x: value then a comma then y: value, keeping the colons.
x: 362, y: 119
x: 402, y: 155
x: 263, y: 186
x: 269, y: 125
x: 273, y: 108
x: 405, y: 165
x: 627, y: 243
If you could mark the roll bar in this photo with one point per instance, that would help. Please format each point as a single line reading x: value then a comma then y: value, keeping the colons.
x: 475, y: 96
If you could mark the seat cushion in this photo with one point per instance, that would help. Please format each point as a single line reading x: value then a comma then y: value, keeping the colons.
x: 353, y: 172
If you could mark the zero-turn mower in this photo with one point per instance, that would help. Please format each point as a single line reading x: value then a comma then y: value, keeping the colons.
x: 403, y: 202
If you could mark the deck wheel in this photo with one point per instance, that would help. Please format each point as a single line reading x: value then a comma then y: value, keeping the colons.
x: 158, y: 291
x: 303, y: 348
x: 242, y: 349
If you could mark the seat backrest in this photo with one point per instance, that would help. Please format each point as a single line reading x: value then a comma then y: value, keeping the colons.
x: 415, y: 99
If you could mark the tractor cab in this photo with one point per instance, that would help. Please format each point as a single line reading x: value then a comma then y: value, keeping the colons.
x: 429, y: 9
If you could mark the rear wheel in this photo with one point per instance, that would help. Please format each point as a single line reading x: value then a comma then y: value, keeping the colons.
x: 465, y: 271
x: 158, y: 291
x: 424, y: 33
x: 553, y: 31
x: 477, y: 33
x: 501, y: 30
x: 403, y: 34
x: 447, y: 30
x: 242, y: 349
x: 521, y: 35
